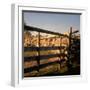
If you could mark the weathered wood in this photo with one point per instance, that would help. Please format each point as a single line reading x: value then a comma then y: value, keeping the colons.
x: 30, y: 69
x: 30, y: 28
x: 41, y: 57
x: 38, y: 58
x: 43, y: 48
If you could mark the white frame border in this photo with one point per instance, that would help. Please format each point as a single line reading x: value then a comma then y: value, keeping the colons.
x: 16, y: 50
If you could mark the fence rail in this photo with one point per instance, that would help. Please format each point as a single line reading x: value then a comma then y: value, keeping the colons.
x: 43, y: 48
x: 30, y: 69
x: 41, y: 57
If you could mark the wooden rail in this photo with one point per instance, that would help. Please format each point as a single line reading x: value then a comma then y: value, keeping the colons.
x: 31, y: 58
x: 43, y: 48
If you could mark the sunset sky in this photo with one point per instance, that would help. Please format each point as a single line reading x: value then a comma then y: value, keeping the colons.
x: 58, y: 22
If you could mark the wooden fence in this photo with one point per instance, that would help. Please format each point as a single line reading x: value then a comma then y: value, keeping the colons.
x: 38, y: 49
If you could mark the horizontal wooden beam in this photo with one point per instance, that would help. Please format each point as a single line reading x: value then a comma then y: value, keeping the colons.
x: 30, y: 28
x: 30, y: 69
x: 75, y: 32
x: 43, y: 48
x: 41, y: 57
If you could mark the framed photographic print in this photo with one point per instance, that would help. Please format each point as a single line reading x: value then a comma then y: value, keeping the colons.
x: 47, y: 43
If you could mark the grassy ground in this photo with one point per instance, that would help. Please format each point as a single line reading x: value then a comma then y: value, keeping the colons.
x: 54, y: 70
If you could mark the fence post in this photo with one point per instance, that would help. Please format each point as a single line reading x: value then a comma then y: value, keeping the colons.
x: 69, y: 49
x: 70, y: 35
x: 60, y: 50
x: 38, y: 59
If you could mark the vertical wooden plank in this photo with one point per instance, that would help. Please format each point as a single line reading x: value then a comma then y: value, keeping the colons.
x: 38, y: 59
x: 69, y: 49
x: 70, y: 35
x: 60, y: 50
x: 70, y: 41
